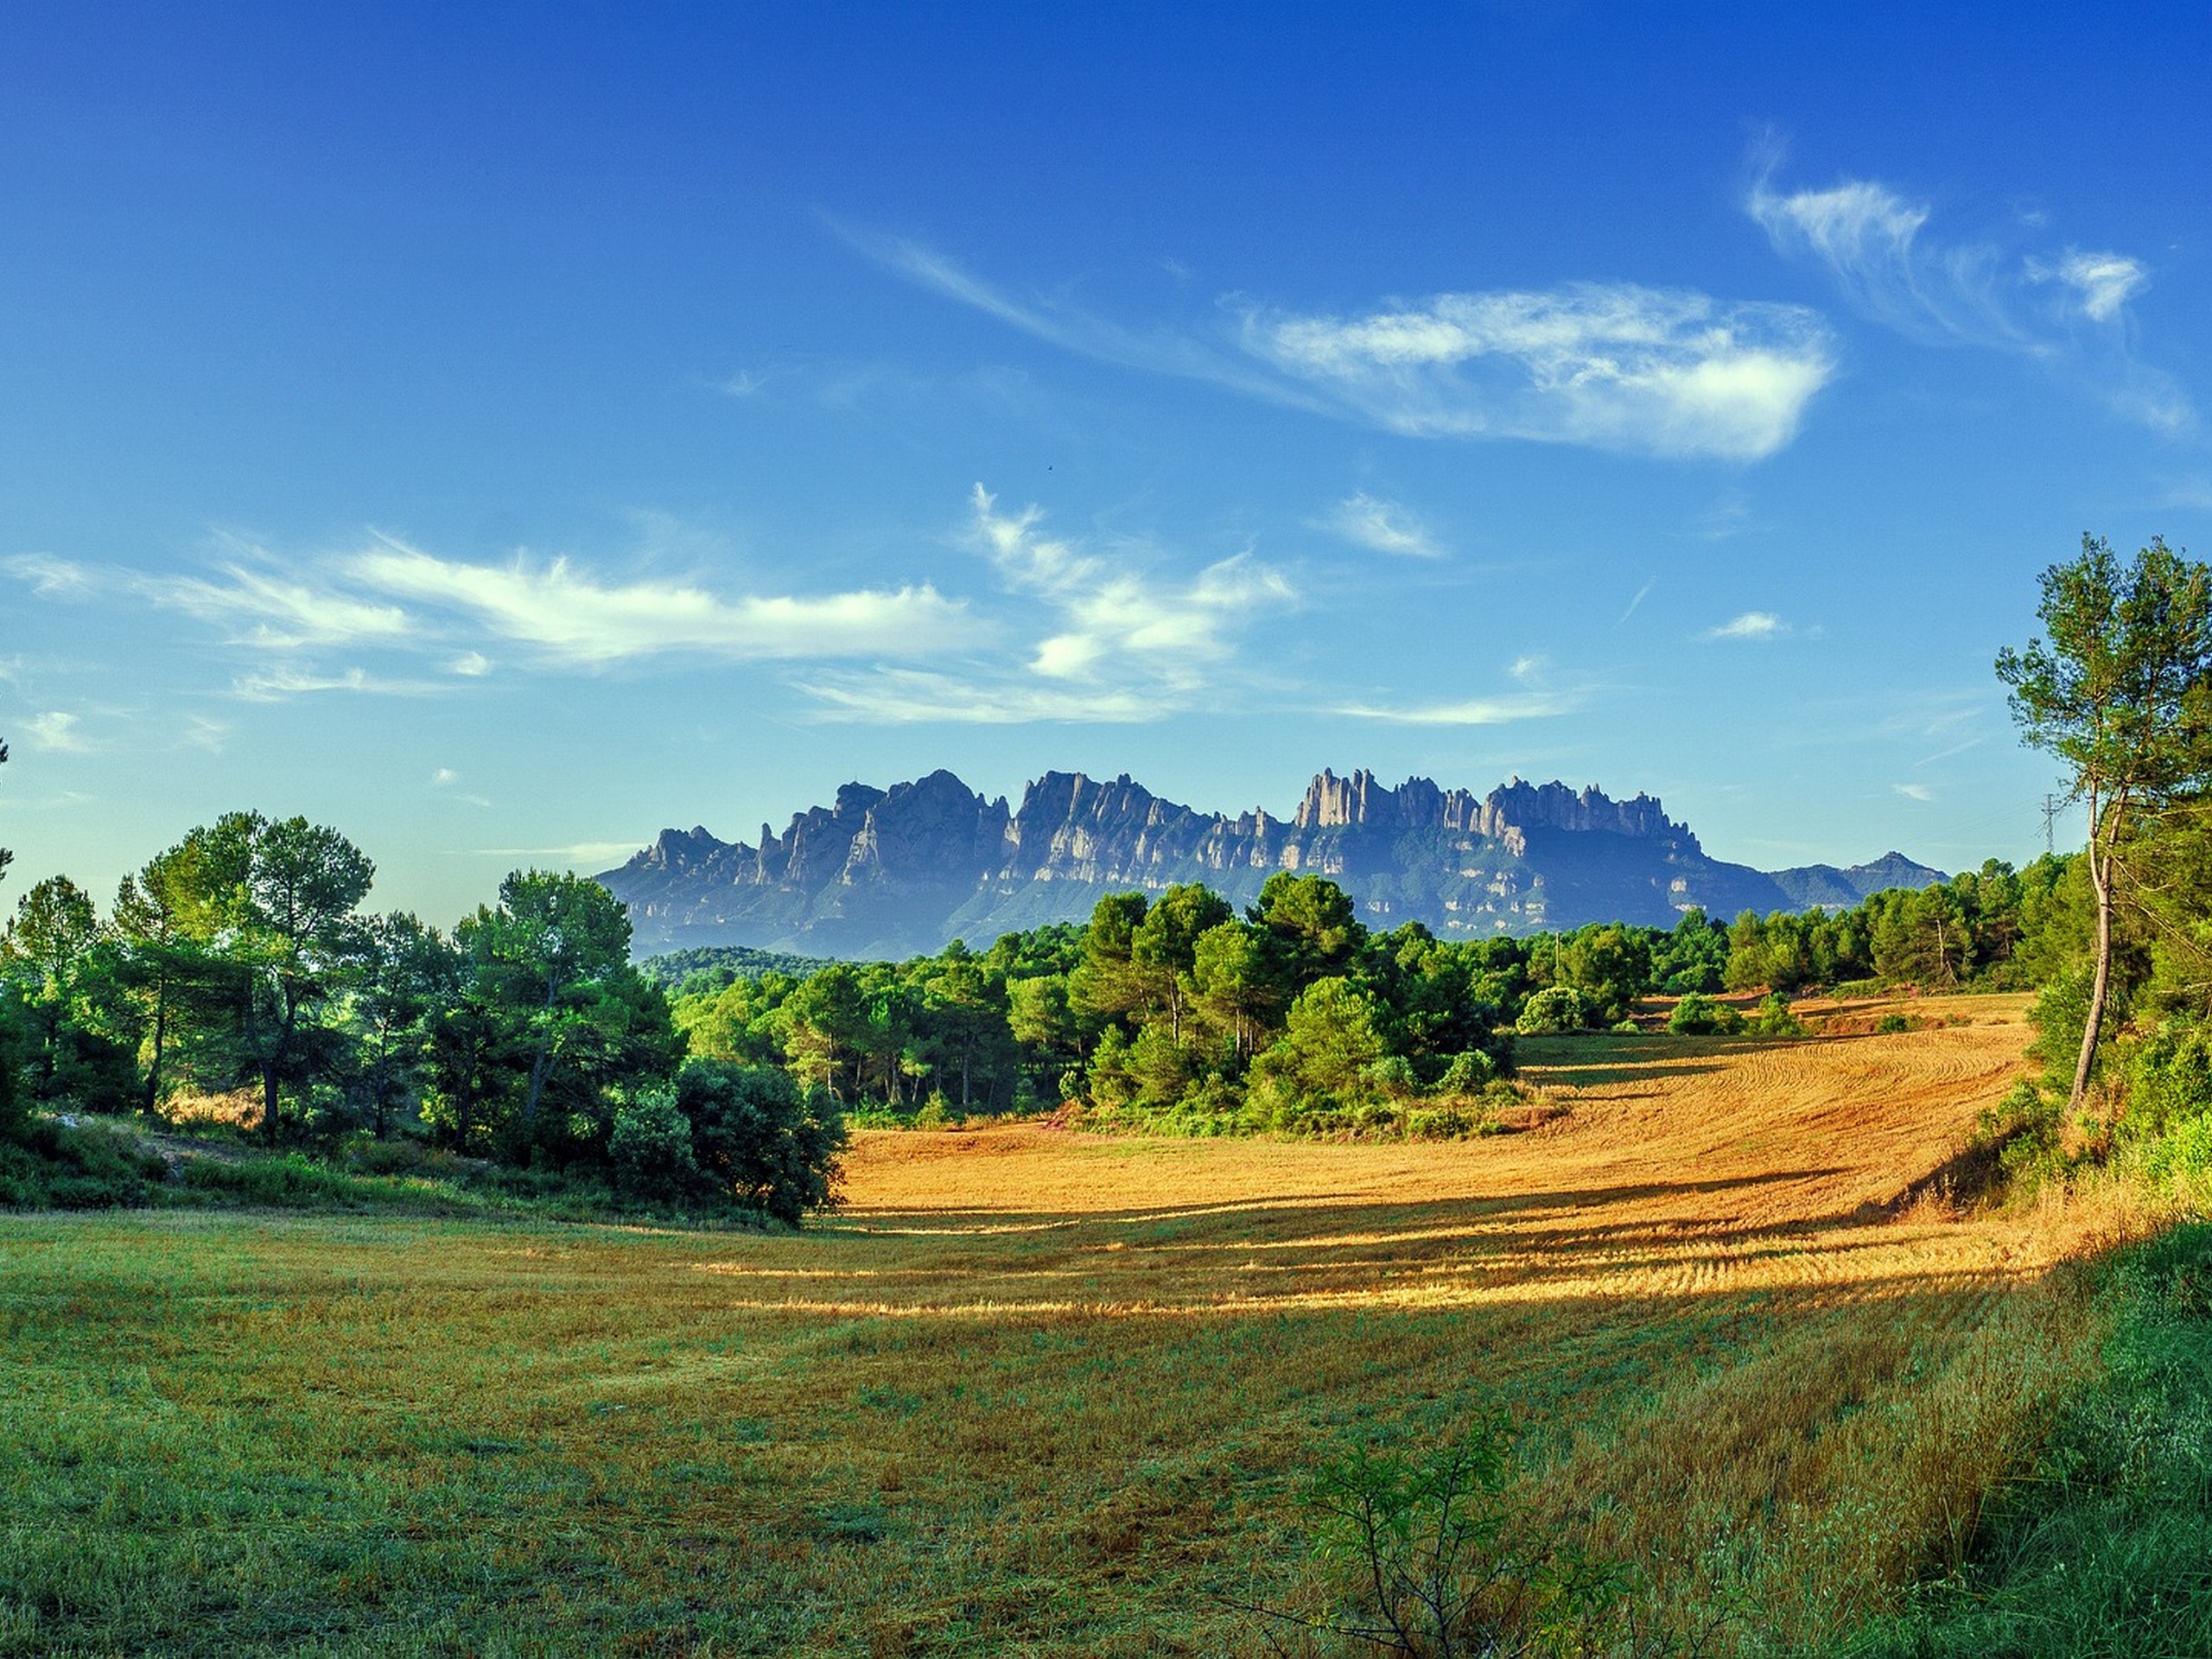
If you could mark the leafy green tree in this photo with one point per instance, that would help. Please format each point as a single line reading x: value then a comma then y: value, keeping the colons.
x: 162, y: 931
x: 1612, y: 967
x: 1692, y: 958
x: 1329, y: 1039
x: 826, y: 1029
x: 1107, y: 984
x: 1311, y: 925
x: 407, y: 973
x: 475, y: 1064
x: 2118, y: 691
x: 1233, y: 988
x: 1552, y: 1011
x: 52, y: 951
x: 294, y: 942
x: 759, y: 1138
x: 545, y: 957
x: 1164, y: 945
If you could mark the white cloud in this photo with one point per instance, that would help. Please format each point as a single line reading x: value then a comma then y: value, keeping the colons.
x: 573, y: 618
x: 576, y: 852
x: 444, y: 778
x: 1642, y: 593
x: 262, y: 609
x: 743, y: 384
x: 56, y: 732
x: 1116, y: 618
x: 907, y: 697
x: 1614, y: 366
x: 202, y: 732
x: 293, y: 680
x: 470, y: 664
x: 49, y: 578
x: 1120, y: 643
x: 1751, y: 625
x: 1873, y: 243
x: 1475, y: 711
x: 1915, y: 792
x: 1382, y: 527
x: 2105, y: 281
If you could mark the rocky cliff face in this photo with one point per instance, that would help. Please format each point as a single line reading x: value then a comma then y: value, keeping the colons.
x: 898, y: 871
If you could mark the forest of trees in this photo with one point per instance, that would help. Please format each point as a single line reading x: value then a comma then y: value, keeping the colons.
x: 238, y: 969
x: 1171, y: 1011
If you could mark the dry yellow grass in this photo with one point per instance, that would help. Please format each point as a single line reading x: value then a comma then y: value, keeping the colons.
x: 1033, y: 1391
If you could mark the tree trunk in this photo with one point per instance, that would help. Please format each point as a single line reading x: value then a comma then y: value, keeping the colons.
x: 161, y: 1034
x: 2099, y: 987
x: 538, y: 1065
x: 269, y: 1102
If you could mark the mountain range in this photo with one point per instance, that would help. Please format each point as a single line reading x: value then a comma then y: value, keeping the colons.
x: 902, y: 871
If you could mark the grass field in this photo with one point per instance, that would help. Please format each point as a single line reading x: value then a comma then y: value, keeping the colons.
x: 1033, y: 1391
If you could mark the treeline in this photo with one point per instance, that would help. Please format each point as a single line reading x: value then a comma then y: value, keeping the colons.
x: 1174, y: 1012
x: 240, y: 965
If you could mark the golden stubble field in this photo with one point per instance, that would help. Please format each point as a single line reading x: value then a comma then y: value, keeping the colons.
x: 1036, y: 1391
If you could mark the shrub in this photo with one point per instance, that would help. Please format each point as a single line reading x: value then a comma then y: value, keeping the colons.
x: 760, y: 1138
x: 1699, y: 1015
x: 1440, y: 1555
x: 1773, y: 1018
x: 1555, y: 1009
x: 651, y: 1147
x: 45, y: 1165
x: 1891, y: 1024
x: 1468, y: 1073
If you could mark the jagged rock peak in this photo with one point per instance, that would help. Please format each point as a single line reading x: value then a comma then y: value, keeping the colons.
x: 1332, y: 802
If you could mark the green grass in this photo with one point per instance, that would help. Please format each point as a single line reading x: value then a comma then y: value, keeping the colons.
x: 2105, y: 1550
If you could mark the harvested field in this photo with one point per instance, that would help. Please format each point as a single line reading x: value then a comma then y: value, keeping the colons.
x: 1034, y: 1391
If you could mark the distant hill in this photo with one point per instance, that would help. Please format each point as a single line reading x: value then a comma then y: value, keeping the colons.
x: 902, y: 871
x: 725, y: 963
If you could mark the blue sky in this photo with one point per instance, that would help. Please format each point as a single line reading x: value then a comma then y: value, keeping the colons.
x: 501, y: 432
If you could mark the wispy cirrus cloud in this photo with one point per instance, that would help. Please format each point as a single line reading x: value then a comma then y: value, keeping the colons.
x: 1121, y: 642
x: 1160, y: 351
x: 1473, y: 711
x: 285, y: 681
x: 57, y: 732
x: 2068, y: 309
x: 1612, y: 365
x: 1914, y: 791
x: 49, y: 576
x: 1616, y: 365
x: 569, y: 616
x: 1381, y: 527
x: 255, y: 605
x: 1751, y: 625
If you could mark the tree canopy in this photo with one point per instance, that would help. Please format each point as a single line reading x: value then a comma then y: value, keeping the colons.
x: 2118, y: 691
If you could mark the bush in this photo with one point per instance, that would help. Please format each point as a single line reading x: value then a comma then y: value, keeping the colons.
x: 1699, y: 1015
x: 1553, y: 1010
x: 1891, y: 1025
x: 760, y: 1139
x: 1436, y: 1552
x: 1468, y: 1073
x: 1773, y: 1018
x: 650, y: 1146
x: 45, y: 1165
